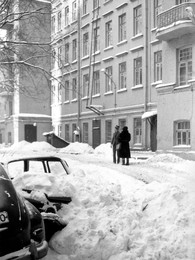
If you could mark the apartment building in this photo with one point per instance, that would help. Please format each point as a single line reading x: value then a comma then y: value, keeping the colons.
x: 25, y: 65
x: 176, y: 111
x: 127, y: 63
x: 106, y: 65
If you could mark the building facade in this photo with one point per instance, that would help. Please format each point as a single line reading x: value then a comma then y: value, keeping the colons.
x: 176, y: 111
x: 25, y: 65
x: 116, y: 62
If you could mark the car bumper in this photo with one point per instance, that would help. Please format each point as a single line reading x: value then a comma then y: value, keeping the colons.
x: 33, y: 252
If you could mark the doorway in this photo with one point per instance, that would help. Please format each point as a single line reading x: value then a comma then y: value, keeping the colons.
x: 96, y: 128
x: 30, y: 133
x: 153, y: 133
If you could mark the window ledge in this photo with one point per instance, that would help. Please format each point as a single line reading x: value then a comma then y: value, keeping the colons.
x: 85, y: 98
x: 178, y: 147
x: 109, y: 48
x: 85, y: 15
x: 122, y: 42
x: 108, y: 1
x: 137, y: 86
x: 182, y: 87
x: 74, y: 100
x: 156, y: 83
x: 96, y: 53
x: 108, y: 93
x: 67, y: 102
x: 74, y: 61
x: 122, y: 90
x: 137, y: 36
x: 96, y: 96
x: 85, y: 57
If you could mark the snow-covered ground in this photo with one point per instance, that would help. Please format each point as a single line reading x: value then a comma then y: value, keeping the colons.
x: 142, y: 211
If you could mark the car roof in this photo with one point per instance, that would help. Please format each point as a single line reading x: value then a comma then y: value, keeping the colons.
x: 35, y: 157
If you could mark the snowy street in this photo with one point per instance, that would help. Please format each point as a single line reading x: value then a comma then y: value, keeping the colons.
x: 142, y: 211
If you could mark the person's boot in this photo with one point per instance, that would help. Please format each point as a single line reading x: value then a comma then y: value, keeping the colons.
x: 127, y: 163
x: 123, y: 161
x: 118, y: 160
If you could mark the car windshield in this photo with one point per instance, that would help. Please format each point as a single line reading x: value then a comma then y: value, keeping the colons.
x: 34, y: 165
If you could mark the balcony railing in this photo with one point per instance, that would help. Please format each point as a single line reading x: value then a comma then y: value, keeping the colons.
x: 175, y: 14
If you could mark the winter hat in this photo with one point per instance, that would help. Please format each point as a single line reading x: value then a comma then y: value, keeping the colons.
x: 117, y: 127
x: 125, y: 128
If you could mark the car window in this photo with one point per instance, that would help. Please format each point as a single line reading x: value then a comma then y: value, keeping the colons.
x: 56, y: 167
x: 15, y: 168
x: 36, y: 166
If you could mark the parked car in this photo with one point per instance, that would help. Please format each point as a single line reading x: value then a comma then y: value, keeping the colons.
x: 22, y: 232
x: 51, y: 205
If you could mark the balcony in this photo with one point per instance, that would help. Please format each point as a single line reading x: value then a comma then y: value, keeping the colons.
x: 176, y: 21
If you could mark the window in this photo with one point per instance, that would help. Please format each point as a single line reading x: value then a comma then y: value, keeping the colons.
x: 178, y: 2
x: 122, y: 75
x: 96, y: 82
x: 137, y: 20
x: 53, y: 94
x: 67, y: 91
x: 9, y: 137
x: 122, y: 27
x: 108, y: 31
x: 96, y: 39
x: 59, y: 92
x: 66, y: 15
x: 66, y: 56
x: 157, y: 10
x: 108, y: 131
x: 85, y: 44
x: 74, y: 10
x: 74, y: 88
x: 74, y: 49
x: 53, y: 21
x: 184, y: 65
x: 108, y: 77
x: 53, y: 58
x: 59, y: 20
x: 182, y: 133
x: 74, y: 128
x: 67, y: 132
x: 137, y: 130
x: 138, y: 71
x: 59, y: 130
x: 85, y: 84
x: 95, y: 4
x: 85, y: 132
x: 10, y: 107
x: 122, y: 123
x: 60, y: 56
x: 85, y: 7
x: 158, y: 66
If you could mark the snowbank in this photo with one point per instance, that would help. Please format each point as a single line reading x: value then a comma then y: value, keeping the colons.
x: 77, y: 148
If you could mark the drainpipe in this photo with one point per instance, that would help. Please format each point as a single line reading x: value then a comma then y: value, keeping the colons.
x: 79, y: 69
x: 146, y: 72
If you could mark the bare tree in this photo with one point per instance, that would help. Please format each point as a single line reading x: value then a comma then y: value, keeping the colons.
x: 25, y: 47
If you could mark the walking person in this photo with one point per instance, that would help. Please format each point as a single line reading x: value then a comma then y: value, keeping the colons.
x: 115, y: 143
x: 124, y: 151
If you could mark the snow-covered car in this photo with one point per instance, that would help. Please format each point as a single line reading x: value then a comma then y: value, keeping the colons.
x: 40, y: 164
x: 22, y: 231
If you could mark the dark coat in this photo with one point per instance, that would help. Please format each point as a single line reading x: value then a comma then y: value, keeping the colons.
x: 124, y: 139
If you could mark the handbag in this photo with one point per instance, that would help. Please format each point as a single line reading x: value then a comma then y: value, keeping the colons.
x: 118, y: 146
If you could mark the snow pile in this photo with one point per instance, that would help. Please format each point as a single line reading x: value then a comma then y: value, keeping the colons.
x: 165, y: 158
x: 114, y: 216
x: 77, y: 148
x: 104, y: 149
x: 24, y: 146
